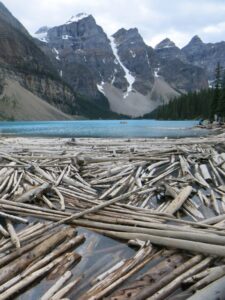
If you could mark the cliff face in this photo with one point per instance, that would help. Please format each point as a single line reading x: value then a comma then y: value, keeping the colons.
x: 18, y: 52
x: 78, y: 48
x: 5, y: 15
x: 56, y: 93
x: 137, y: 57
x: 183, y: 76
x: 18, y: 103
x: 205, y: 55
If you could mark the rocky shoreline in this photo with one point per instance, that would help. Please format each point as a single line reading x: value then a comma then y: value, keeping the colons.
x: 214, y: 128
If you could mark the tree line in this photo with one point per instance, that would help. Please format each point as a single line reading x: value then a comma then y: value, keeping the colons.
x: 204, y: 104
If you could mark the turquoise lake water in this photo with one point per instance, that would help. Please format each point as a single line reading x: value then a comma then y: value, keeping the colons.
x: 102, y: 129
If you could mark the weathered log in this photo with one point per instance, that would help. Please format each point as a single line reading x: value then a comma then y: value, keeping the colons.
x: 29, y: 279
x: 153, y: 288
x: 3, y: 231
x: 213, y: 275
x: 61, y: 198
x: 70, y: 259
x: 203, y: 237
x: 14, y: 218
x: 179, y: 200
x: 22, y: 262
x: 12, y: 233
x: 205, y: 172
x: 203, y: 248
x: 55, y: 253
x: 61, y: 293
x: 151, y: 277
x: 215, y: 290
x: 99, y: 290
x: 59, y: 283
x: 173, y: 285
x: 6, y: 259
x: 35, y: 192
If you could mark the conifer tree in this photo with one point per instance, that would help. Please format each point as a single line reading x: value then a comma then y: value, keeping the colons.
x: 221, y: 102
x: 217, y: 92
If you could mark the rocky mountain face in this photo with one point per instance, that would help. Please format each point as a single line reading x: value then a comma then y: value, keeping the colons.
x: 82, y: 56
x: 136, y: 56
x: 167, y: 49
x: 119, y: 72
x: 177, y: 70
x: 5, y: 15
x: 196, y: 52
x: 205, y: 55
x: 22, y: 61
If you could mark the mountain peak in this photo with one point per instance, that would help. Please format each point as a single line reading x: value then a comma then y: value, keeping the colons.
x: 166, y: 43
x: 77, y: 18
x: 43, y: 29
x: 123, y: 31
x: 131, y: 35
x: 196, y: 40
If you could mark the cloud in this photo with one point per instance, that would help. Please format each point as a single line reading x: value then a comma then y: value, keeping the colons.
x: 156, y: 20
x: 212, y: 29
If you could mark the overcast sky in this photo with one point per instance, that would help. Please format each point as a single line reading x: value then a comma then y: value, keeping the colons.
x: 156, y: 19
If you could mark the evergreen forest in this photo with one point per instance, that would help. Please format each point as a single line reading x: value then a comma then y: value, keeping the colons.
x: 205, y: 104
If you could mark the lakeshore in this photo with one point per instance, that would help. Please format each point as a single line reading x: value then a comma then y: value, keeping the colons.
x: 159, y: 202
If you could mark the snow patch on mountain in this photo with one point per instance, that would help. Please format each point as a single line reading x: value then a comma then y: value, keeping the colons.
x: 165, y: 44
x: 100, y: 87
x: 130, y: 79
x: 168, y: 46
x: 113, y: 77
x: 42, y: 36
x: 133, y: 54
x: 147, y: 58
x: 156, y: 72
x: 211, y: 84
x: 113, y: 80
x: 77, y: 18
x: 57, y: 53
x: 66, y: 37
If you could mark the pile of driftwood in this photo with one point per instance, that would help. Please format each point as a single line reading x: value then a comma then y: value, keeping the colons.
x: 165, y: 198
